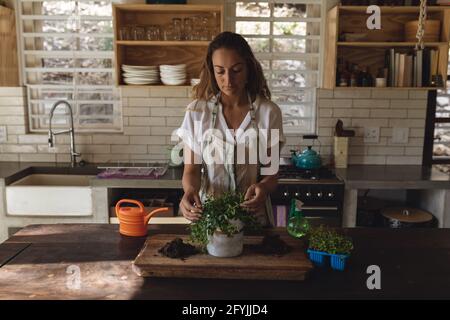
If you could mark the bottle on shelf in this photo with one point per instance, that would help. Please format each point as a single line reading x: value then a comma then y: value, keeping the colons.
x: 366, y: 78
x: 354, y: 76
x: 381, y: 78
x: 342, y: 76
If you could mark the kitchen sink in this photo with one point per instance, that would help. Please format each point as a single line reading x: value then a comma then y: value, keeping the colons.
x: 54, y: 180
x: 50, y: 195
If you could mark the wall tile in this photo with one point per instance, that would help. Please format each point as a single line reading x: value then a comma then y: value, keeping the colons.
x: 389, y: 94
x: 135, y: 92
x: 129, y: 149
x: 37, y: 157
x: 110, y: 139
x: 353, y: 94
x: 371, y: 103
x: 169, y: 92
x: 409, y: 104
x: 405, y: 160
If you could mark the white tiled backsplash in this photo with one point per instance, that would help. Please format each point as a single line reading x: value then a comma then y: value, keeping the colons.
x: 151, y: 114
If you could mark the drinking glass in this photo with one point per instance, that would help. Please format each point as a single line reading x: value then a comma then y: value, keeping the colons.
x: 177, y: 29
x: 124, y: 33
x: 188, y: 28
x: 168, y: 33
x: 204, y: 34
x: 153, y: 33
x: 138, y: 33
x: 196, y: 32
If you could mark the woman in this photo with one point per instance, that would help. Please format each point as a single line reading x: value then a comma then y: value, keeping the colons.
x: 232, y: 98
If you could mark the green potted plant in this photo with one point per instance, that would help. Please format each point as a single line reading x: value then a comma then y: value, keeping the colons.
x: 323, y: 242
x: 221, y: 227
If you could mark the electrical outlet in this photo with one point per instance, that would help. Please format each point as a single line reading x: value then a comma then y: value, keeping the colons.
x: 372, y: 135
x: 3, y: 134
x: 400, y: 135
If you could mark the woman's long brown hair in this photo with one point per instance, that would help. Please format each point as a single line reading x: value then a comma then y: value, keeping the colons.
x: 256, y: 82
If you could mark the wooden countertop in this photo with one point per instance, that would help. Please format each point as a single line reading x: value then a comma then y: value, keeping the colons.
x: 414, y: 264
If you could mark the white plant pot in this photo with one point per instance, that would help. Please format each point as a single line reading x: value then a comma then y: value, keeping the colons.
x: 223, y: 246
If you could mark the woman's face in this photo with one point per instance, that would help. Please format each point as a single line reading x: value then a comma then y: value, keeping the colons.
x: 230, y: 71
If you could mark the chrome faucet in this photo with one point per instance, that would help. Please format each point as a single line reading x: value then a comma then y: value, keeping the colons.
x: 51, y: 134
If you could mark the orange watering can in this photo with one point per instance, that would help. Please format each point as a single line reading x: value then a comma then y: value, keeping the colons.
x: 133, y: 221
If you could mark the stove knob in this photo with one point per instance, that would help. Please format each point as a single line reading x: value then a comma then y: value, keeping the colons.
x: 330, y: 195
x: 297, y: 193
x: 319, y: 194
x: 308, y: 194
x: 286, y: 193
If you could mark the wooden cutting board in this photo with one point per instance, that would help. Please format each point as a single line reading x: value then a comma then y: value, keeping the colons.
x: 249, y: 265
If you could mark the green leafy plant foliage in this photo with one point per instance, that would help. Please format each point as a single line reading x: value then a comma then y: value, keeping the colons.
x: 328, y: 240
x: 217, y: 214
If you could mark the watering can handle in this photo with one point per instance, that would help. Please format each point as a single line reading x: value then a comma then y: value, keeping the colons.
x: 138, y: 203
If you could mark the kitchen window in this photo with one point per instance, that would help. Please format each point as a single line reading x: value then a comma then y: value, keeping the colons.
x: 285, y: 37
x: 67, y: 53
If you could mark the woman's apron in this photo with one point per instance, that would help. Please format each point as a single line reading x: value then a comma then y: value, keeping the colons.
x: 231, y: 181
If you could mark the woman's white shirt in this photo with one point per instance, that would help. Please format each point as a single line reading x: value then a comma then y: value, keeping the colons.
x: 197, y: 121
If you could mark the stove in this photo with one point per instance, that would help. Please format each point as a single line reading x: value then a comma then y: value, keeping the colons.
x: 321, y: 191
x: 292, y: 173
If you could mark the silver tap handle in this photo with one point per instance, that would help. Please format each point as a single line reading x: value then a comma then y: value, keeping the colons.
x: 50, y: 139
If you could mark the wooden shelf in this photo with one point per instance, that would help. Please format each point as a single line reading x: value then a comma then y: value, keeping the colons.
x: 191, y: 53
x: 392, y: 88
x: 388, y: 44
x: 371, y: 53
x: 391, y: 9
x: 162, y: 43
x: 166, y: 8
x: 152, y: 85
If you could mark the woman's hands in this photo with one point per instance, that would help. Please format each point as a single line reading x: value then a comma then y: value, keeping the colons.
x: 255, y: 197
x: 187, y: 207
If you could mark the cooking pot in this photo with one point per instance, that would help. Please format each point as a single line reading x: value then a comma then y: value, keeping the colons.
x: 406, y: 217
x: 308, y: 159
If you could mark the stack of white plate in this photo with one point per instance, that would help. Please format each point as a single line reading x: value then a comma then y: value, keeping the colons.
x: 140, y: 75
x: 195, y: 81
x: 173, y: 75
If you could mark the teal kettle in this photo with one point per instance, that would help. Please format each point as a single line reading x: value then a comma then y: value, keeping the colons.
x: 308, y: 159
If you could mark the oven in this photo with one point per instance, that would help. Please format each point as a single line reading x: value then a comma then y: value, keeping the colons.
x: 321, y: 192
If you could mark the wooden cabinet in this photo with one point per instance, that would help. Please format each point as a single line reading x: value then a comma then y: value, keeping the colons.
x: 158, y: 52
x: 370, y: 50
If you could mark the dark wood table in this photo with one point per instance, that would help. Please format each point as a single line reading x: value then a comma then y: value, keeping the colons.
x: 38, y: 261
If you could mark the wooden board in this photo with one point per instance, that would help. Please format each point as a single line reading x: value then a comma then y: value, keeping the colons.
x: 249, y: 265
x: 9, y: 70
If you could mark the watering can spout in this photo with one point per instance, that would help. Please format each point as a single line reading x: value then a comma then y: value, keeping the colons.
x: 152, y: 213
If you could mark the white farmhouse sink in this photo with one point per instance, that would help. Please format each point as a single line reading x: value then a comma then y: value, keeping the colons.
x: 50, y: 195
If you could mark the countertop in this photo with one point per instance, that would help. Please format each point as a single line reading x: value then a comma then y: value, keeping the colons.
x: 39, y: 261
x: 354, y: 177
x: 13, y: 171
x: 393, y: 177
